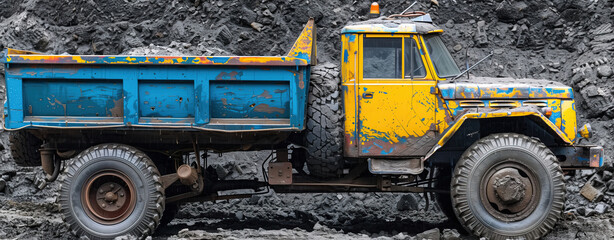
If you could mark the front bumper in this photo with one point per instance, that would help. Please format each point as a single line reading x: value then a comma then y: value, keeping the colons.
x: 577, y: 157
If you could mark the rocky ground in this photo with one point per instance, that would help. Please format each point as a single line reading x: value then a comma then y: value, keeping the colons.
x: 570, y: 41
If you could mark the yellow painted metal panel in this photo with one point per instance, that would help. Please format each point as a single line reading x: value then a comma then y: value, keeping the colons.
x: 399, y: 118
x: 568, y: 122
x: 349, y: 69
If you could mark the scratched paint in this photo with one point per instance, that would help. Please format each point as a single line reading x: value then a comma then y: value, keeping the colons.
x: 304, y: 47
x: 101, y: 95
x: 233, y: 75
x: 409, y: 27
x: 398, y: 116
x: 81, y: 98
x: 166, y: 99
x: 569, y: 122
x: 300, y: 60
x: 492, y: 88
x: 246, y: 99
x: 404, y: 118
x: 526, y: 111
x: 407, y: 118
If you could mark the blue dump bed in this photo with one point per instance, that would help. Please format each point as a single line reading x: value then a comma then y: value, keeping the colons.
x: 201, y: 93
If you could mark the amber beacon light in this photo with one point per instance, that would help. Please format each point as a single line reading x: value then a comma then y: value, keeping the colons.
x: 374, y: 12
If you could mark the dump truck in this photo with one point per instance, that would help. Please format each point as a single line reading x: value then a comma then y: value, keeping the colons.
x: 131, y: 134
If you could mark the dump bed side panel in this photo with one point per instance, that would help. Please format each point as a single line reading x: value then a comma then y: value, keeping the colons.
x: 217, y: 98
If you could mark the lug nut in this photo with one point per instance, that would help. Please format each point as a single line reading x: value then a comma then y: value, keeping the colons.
x: 112, y: 186
x: 103, y: 205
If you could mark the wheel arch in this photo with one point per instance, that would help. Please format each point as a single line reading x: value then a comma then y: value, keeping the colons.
x: 472, y: 126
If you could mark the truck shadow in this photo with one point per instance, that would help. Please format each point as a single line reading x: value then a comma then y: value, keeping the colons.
x: 364, y: 226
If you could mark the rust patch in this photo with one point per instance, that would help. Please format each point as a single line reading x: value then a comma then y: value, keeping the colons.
x: 263, y: 107
x: 118, y: 109
x: 69, y: 119
x: 448, y: 118
x: 60, y: 103
x: 265, y: 94
x: 155, y: 120
x: 280, y: 91
x: 229, y: 76
x: 224, y: 101
x: 30, y: 109
x: 301, y: 81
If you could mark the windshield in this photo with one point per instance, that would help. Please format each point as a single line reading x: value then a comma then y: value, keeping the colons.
x: 441, y: 58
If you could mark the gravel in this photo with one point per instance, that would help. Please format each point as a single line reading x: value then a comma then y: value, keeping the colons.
x: 561, y: 40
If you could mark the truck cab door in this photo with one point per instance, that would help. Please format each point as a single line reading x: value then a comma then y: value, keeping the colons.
x: 397, y: 104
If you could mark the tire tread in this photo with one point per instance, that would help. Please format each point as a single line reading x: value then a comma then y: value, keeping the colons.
x: 155, y: 207
x: 468, y: 161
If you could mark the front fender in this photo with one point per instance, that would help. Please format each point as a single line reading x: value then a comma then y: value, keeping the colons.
x: 525, y: 111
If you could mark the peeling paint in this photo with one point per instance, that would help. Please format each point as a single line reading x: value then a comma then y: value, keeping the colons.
x: 263, y: 107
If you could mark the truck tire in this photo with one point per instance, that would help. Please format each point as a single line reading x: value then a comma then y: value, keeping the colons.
x: 111, y: 190
x: 324, y: 131
x: 24, y: 148
x: 508, y: 186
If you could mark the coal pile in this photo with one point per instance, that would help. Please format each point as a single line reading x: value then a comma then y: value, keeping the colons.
x: 570, y: 41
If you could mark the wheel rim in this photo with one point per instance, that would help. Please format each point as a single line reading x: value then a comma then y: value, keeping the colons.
x: 109, y: 197
x: 510, y: 191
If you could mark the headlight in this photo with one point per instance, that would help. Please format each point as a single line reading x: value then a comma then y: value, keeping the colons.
x: 586, y: 131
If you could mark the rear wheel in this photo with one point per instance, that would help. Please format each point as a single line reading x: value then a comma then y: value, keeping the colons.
x: 508, y: 186
x: 111, y: 190
x: 324, y: 133
x: 24, y: 148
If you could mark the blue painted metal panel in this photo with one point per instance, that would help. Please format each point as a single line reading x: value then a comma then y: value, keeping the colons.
x: 287, y: 85
x: 249, y: 99
x: 78, y: 98
x: 172, y: 99
x: 14, y: 99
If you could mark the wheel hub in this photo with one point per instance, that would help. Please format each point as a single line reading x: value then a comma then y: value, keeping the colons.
x: 109, y: 197
x: 510, y: 188
x: 510, y: 192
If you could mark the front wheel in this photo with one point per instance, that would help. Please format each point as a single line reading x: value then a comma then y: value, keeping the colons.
x: 112, y: 190
x: 508, y: 186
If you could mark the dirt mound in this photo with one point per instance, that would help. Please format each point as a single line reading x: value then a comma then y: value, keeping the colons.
x: 563, y: 40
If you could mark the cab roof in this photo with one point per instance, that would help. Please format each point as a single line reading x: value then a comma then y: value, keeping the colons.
x: 419, y: 25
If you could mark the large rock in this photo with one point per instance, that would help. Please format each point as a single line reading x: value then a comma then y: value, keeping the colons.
x: 407, y: 202
x: 604, y: 71
x: 510, y: 11
x: 450, y: 234
x: 432, y: 234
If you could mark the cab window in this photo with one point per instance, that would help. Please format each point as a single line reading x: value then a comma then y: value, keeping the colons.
x: 414, y: 67
x: 382, y: 57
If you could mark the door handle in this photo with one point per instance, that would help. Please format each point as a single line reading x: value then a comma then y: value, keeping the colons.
x: 367, y: 95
